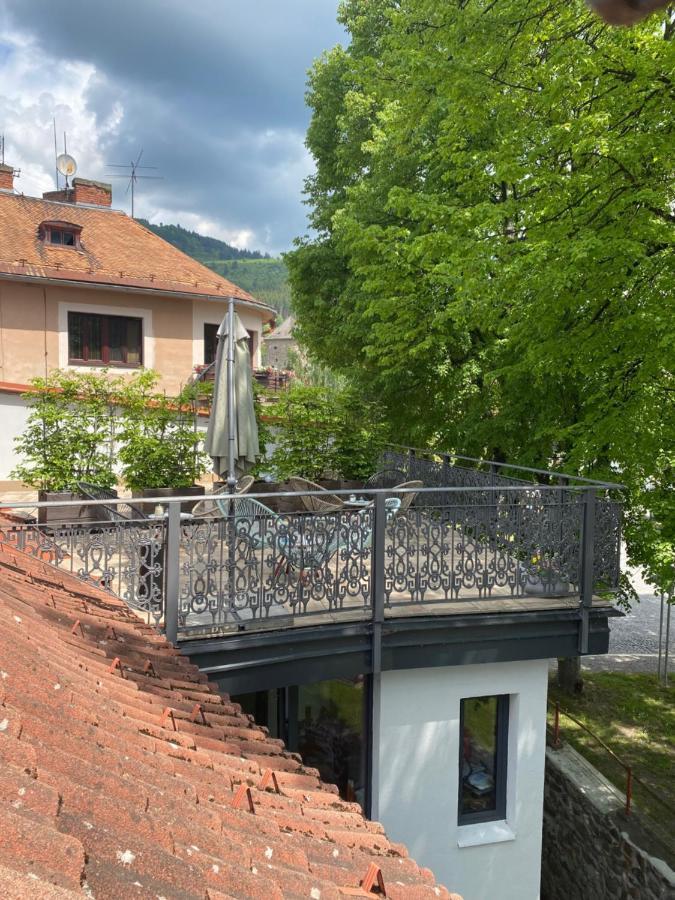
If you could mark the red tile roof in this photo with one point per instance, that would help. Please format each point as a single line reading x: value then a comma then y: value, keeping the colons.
x: 115, y: 250
x: 124, y: 773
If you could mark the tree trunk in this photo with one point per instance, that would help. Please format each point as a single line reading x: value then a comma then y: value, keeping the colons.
x: 569, y: 675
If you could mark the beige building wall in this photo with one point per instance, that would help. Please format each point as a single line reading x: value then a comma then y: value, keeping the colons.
x: 34, y: 336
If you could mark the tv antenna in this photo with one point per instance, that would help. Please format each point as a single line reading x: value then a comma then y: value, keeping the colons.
x: 132, y: 175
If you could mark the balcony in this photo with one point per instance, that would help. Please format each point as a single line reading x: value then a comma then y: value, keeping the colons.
x: 477, y: 538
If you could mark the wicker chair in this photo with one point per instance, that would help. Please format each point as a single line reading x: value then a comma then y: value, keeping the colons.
x: 408, y: 498
x: 318, y: 505
x: 386, y: 478
x: 207, y: 509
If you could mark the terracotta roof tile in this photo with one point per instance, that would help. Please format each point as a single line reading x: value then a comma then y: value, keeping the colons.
x: 115, y: 250
x: 140, y: 780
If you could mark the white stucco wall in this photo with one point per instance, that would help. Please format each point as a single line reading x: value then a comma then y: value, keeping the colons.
x: 13, y: 415
x: 418, y: 776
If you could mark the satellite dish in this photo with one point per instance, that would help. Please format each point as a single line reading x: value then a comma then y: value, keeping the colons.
x: 66, y: 164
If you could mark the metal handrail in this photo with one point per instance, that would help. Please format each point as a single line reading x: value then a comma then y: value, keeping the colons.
x: 141, y: 501
x: 630, y: 774
x: 501, y: 530
x: 549, y: 473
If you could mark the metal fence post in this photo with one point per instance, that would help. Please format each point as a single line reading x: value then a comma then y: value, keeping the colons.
x: 586, y: 585
x: 377, y: 602
x: 172, y: 571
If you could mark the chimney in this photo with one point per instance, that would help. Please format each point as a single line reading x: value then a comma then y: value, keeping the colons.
x: 6, y: 177
x: 83, y: 191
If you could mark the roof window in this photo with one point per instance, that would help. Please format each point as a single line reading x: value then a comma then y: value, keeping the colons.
x: 61, y: 234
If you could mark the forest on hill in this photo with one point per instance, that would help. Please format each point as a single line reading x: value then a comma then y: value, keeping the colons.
x: 262, y: 275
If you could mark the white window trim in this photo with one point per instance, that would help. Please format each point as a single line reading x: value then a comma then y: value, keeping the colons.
x: 484, y: 833
x: 200, y: 318
x: 148, y: 337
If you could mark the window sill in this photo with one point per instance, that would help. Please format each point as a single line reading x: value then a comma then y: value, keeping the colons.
x: 99, y: 366
x: 484, y: 833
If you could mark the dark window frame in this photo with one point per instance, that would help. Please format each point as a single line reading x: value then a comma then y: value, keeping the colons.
x: 501, y: 763
x: 105, y: 360
x: 211, y: 342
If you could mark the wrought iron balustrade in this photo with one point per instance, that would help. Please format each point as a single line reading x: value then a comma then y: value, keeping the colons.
x: 471, y: 539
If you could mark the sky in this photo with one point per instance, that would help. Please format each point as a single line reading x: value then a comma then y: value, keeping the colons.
x: 212, y: 91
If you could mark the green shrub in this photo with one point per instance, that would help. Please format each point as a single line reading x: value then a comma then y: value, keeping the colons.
x: 69, y: 433
x: 159, y: 442
x: 326, y: 433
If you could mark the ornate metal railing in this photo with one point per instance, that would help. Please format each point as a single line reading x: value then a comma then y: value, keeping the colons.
x: 467, y: 540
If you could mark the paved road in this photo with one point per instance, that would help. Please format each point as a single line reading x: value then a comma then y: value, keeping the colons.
x: 634, y: 640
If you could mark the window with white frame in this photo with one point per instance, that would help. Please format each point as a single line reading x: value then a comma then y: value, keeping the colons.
x: 95, y: 339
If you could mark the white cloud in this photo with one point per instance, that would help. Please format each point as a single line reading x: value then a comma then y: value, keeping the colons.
x: 36, y: 89
x: 215, y: 100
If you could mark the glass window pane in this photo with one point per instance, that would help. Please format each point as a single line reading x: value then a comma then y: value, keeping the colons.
x: 55, y: 236
x: 210, y: 343
x: 332, y: 733
x: 264, y: 707
x: 95, y: 338
x: 478, y: 761
x: 75, y: 338
x: 117, y: 339
x: 134, y: 342
x: 68, y: 238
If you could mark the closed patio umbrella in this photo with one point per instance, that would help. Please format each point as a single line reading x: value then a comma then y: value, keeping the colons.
x: 232, y: 434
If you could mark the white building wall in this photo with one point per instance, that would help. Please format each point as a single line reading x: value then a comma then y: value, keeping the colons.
x: 13, y: 416
x: 418, y: 776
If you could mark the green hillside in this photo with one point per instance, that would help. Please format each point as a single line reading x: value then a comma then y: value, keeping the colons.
x: 262, y: 275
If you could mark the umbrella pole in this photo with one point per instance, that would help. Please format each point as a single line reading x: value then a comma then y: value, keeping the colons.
x: 231, y: 477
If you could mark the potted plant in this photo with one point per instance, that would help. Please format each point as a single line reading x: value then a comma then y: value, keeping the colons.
x: 329, y: 435
x: 544, y: 575
x: 68, y: 438
x: 159, y: 443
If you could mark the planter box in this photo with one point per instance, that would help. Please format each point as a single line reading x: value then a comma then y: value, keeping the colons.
x: 58, y: 515
x: 196, y: 490
x: 535, y: 586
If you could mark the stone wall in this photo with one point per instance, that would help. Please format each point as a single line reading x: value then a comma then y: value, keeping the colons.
x: 588, y: 853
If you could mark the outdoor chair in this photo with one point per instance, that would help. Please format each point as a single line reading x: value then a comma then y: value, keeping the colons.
x: 246, y: 514
x: 407, y: 499
x: 328, y: 504
x: 207, y: 509
x: 386, y: 478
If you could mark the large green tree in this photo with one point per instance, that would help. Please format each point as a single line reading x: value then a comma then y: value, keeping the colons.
x: 492, y: 253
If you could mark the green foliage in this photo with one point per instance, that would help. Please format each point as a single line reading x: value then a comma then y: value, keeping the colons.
x: 198, y: 245
x: 326, y: 433
x: 262, y: 276
x: 359, y: 436
x: 68, y: 436
x: 493, y: 258
x: 264, y: 433
x: 314, y: 374
x: 159, y: 442
x: 266, y: 279
x: 304, y: 437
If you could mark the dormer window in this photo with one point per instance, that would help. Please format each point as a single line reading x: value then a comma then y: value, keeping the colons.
x: 61, y: 234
